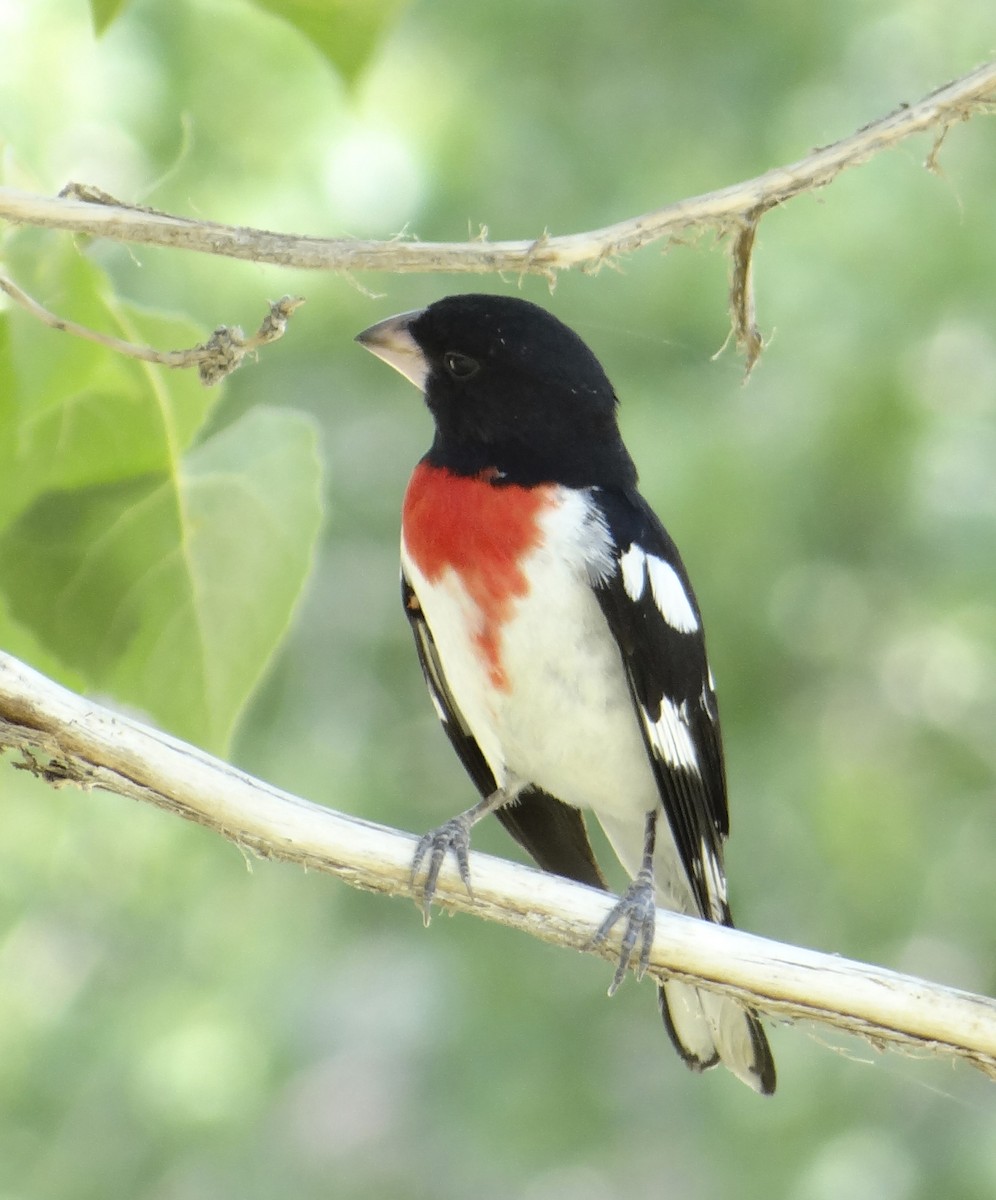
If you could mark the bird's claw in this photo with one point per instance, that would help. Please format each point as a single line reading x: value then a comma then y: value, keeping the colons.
x: 638, y: 907
x: 453, y: 836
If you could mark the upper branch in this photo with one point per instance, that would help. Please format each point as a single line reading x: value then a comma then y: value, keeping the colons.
x: 722, y: 210
x: 66, y: 739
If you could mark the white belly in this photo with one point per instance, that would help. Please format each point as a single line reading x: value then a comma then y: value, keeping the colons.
x: 564, y: 717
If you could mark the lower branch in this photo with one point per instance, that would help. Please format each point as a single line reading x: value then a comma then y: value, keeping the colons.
x: 64, y: 738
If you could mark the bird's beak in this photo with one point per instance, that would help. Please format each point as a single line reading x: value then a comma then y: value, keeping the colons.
x: 392, y: 341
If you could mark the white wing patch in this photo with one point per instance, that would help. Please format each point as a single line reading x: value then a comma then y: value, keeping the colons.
x: 666, y: 588
x: 634, y: 575
x: 670, y: 596
x: 671, y: 737
x: 715, y: 881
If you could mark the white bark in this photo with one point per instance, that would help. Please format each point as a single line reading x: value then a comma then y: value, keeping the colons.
x: 66, y: 738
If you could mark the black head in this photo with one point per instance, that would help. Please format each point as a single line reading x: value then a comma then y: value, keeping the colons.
x: 510, y: 387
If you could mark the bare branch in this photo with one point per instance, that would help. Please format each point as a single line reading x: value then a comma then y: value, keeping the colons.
x: 219, y: 356
x: 84, y: 209
x: 89, y: 211
x: 64, y: 739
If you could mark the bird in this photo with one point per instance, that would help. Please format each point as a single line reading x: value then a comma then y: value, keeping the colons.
x: 560, y: 640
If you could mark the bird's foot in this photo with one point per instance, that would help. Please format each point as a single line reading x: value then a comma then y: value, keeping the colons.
x: 453, y: 836
x: 638, y: 907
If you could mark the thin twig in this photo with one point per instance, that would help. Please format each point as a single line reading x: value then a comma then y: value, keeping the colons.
x: 745, y: 329
x: 65, y: 739
x: 221, y: 354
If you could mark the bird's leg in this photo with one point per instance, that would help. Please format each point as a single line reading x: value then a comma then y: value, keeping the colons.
x: 638, y: 906
x: 453, y: 835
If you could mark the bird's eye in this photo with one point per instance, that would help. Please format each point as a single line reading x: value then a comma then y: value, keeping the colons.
x: 460, y: 366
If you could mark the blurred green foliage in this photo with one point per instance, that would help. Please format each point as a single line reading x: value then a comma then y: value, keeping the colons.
x: 347, y: 32
x: 175, y: 1027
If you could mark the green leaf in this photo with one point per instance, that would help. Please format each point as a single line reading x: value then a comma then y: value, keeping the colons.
x: 171, y: 592
x: 347, y: 32
x: 71, y: 412
x: 103, y: 12
x: 51, y: 366
x: 21, y: 642
x: 121, y: 541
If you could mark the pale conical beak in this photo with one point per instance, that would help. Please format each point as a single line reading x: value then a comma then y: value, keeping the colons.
x: 392, y: 341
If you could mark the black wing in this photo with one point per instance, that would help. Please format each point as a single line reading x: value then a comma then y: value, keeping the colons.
x: 653, y: 615
x: 552, y: 832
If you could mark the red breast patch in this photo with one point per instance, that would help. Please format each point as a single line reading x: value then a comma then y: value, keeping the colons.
x: 481, y: 532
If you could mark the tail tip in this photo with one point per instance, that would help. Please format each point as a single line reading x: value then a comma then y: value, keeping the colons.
x: 697, y: 1042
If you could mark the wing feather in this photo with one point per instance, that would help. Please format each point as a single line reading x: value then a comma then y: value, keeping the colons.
x: 652, y: 613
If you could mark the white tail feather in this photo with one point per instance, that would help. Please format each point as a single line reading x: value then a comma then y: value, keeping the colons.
x: 707, y: 1028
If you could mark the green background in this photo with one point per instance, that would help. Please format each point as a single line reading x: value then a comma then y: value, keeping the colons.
x: 174, y: 1026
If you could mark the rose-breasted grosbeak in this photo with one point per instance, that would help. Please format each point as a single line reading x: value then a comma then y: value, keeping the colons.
x: 560, y: 638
